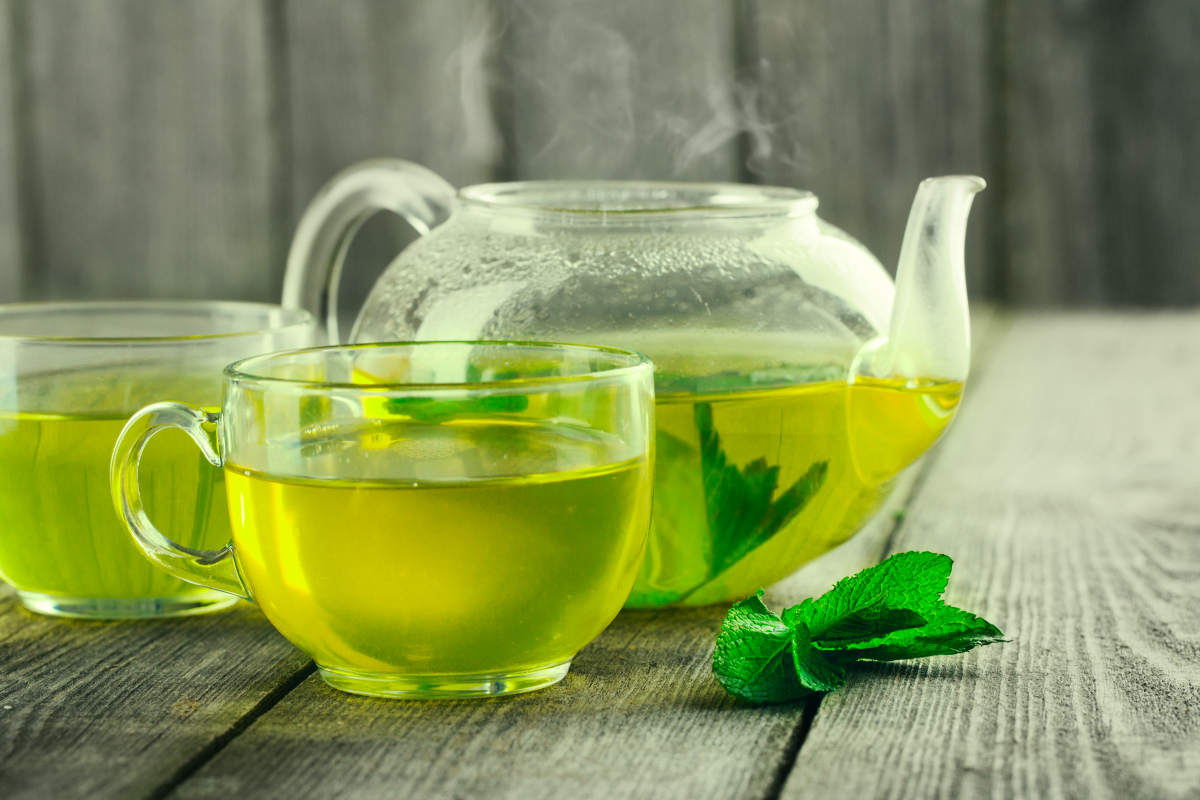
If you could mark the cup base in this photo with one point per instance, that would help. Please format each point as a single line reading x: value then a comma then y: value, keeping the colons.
x: 443, y: 687
x: 113, y: 608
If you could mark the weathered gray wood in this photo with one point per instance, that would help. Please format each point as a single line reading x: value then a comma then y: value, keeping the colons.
x: 116, y: 709
x: 1068, y: 497
x: 638, y: 715
x: 621, y: 89
x: 1102, y: 109
x: 376, y: 78
x: 11, y: 257
x: 1053, y: 206
x: 858, y: 101
x: 152, y: 149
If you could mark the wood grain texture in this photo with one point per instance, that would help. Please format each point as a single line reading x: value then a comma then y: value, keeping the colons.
x: 152, y: 149
x: 377, y: 78
x: 11, y: 242
x: 1101, y: 106
x: 115, y: 709
x: 858, y: 101
x: 1054, y: 209
x: 638, y: 716
x: 1067, y: 496
x: 621, y: 89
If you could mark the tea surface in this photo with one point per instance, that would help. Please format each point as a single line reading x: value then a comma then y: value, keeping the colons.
x: 432, y: 571
x: 752, y: 483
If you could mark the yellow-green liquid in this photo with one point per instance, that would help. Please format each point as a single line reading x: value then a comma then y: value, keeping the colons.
x: 59, y: 534
x: 434, y: 572
x: 850, y: 440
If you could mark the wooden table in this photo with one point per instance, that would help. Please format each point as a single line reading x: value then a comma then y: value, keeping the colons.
x: 1068, y: 493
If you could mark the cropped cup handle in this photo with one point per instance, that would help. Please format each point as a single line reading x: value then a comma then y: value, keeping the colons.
x: 212, y: 568
x: 323, y: 236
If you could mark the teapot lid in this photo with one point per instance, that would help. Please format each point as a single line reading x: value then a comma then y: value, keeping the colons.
x: 657, y: 200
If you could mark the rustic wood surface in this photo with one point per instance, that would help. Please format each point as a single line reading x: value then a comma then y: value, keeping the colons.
x: 93, y: 710
x: 1066, y: 494
x: 376, y: 78
x: 10, y: 211
x: 1095, y: 156
x: 153, y: 149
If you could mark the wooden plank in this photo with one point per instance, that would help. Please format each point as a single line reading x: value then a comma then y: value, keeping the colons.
x: 622, y: 89
x: 375, y: 78
x: 11, y: 242
x: 116, y: 709
x: 152, y: 149
x: 1068, y: 498
x: 1100, y: 166
x: 858, y: 101
x: 1054, y: 210
x: 639, y: 715
x: 1147, y: 166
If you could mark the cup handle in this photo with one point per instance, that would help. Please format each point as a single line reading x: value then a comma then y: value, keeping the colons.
x: 314, y: 262
x: 214, y: 569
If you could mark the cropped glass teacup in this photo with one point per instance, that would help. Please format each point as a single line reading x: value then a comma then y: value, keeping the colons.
x: 427, y: 519
x: 71, y: 373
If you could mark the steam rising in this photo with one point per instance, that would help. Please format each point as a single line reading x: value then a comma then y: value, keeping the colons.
x: 589, y: 90
x: 734, y: 112
x: 471, y: 61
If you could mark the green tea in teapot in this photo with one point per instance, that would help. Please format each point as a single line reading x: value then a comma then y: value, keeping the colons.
x: 747, y: 481
x: 795, y: 379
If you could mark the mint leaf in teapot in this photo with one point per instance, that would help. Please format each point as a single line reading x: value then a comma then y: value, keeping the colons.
x: 743, y: 511
x: 891, y: 611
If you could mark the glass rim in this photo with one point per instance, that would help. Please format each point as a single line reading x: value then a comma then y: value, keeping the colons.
x: 744, y: 200
x: 299, y: 318
x: 636, y: 362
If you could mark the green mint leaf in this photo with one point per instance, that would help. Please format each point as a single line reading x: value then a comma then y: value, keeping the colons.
x: 888, y: 612
x: 868, y: 625
x: 431, y: 409
x: 790, y: 503
x: 742, y: 510
x: 950, y: 630
x: 814, y: 669
x: 914, y: 581
x: 736, y: 499
x: 753, y: 657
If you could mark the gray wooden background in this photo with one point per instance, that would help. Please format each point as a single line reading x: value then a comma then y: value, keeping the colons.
x: 153, y: 148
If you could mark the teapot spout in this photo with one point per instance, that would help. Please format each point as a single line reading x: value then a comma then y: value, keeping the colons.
x: 930, y: 335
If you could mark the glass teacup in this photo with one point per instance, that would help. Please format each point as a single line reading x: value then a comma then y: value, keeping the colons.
x: 70, y: 375
x: 426, y: 519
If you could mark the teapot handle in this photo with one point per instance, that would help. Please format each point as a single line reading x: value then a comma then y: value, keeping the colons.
x: 328, y: 225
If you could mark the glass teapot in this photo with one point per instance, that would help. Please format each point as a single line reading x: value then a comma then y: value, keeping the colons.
x: 794, y: 381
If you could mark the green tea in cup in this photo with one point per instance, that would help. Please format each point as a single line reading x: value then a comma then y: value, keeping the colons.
x: 439, y: 519
x: 70, y: 376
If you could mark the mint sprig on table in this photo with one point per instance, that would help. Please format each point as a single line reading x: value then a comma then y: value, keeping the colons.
x: 888, y: 612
